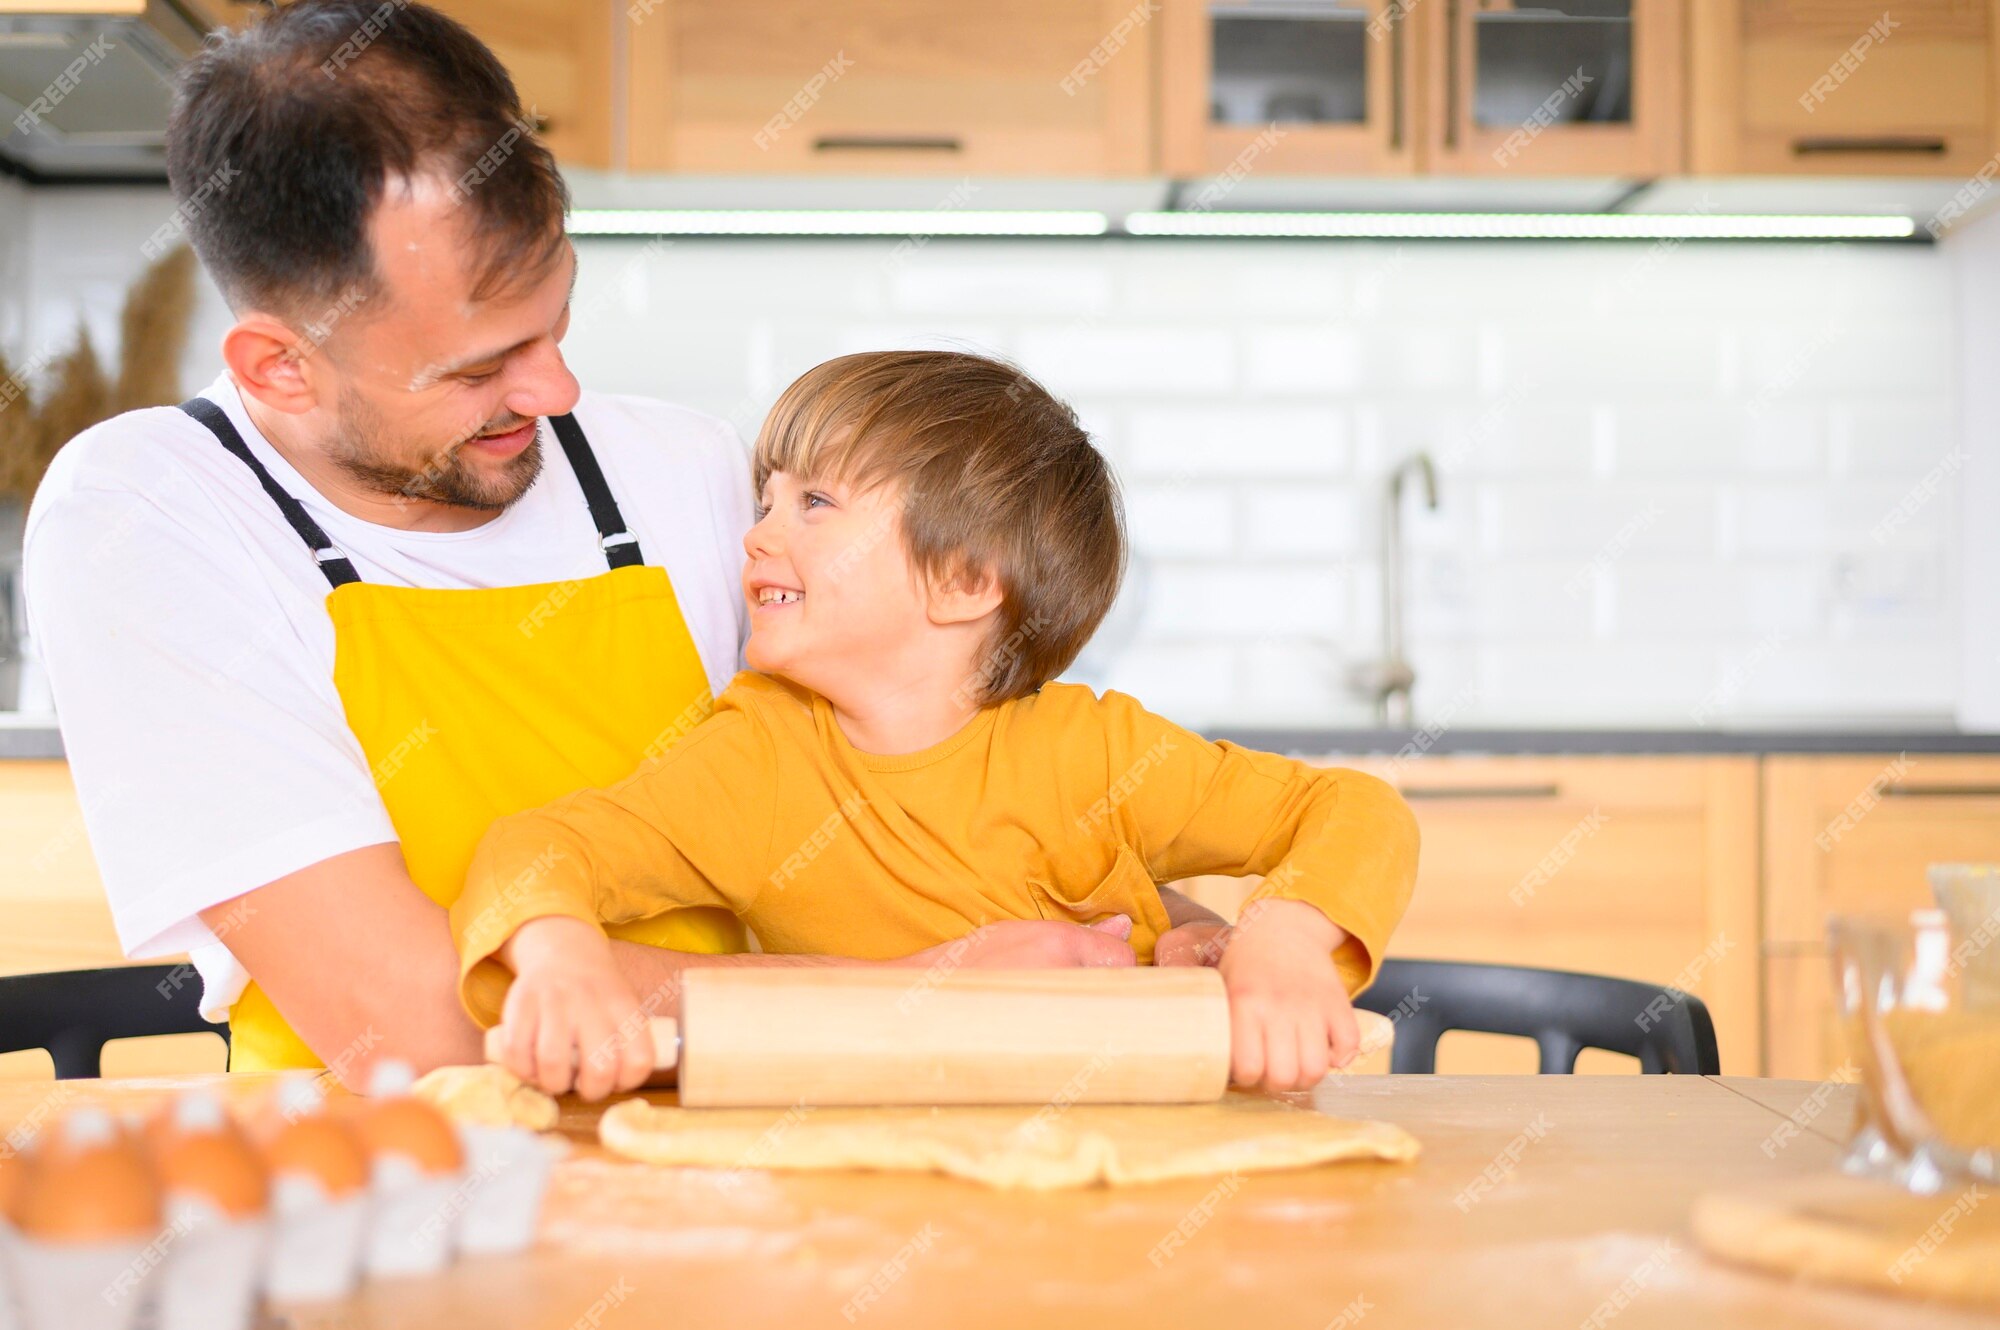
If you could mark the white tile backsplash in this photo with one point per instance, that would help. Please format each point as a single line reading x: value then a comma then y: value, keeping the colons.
x: 1654, y: 459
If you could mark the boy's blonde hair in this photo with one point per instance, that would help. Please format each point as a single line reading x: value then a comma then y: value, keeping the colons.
x: 995, y: 476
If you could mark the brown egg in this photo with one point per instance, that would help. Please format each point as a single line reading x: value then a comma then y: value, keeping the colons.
x: 302, y: 1139
x: 90, y: 1183
x: 15, y: 1165
x: 412, y: 1128
x: 198, y: 1150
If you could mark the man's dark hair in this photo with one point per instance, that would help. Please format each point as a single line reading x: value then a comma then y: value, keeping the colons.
x: 284, y: 135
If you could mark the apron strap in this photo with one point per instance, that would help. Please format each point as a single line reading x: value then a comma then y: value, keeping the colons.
x: 334, y: 564
x: 620, y: 546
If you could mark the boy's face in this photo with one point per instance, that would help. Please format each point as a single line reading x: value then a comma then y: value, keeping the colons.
x: 833, y: 599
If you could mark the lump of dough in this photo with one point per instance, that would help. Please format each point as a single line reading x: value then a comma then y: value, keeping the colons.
x: 487, y: 1096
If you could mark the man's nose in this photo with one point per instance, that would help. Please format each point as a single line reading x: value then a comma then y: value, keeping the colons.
x: 543, y: 385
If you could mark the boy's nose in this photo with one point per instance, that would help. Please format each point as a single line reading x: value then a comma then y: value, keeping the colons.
x: 762, y: 540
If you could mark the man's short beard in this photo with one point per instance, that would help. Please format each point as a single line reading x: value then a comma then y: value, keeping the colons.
x: 445, y: 478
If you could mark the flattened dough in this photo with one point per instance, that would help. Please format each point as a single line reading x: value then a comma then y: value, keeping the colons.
x: 487, y: 1096
x: 1036, y: 1149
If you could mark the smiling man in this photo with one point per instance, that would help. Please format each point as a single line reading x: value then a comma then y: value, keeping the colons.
x: 392, y: 574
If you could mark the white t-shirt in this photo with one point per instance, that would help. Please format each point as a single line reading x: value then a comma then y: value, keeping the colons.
x: 184, y: 628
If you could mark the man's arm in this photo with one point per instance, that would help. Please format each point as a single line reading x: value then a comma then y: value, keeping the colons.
x: 357, y: 960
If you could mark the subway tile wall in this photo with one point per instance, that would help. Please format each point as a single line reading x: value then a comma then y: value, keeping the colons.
x: 1679, y: 485
x: 1671, y: 477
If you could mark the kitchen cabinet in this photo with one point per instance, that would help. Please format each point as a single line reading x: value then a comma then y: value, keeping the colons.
x: 1843, y: 87
x: 891, y: 87
x: 1287, y: 87
x: 559, y: 54
x: 1446, y: 87
x: 1553, y: 87
x: 1641, y: 867
x: 1854, y: 834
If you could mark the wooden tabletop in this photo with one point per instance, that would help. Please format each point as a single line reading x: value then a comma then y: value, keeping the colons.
x: 1539, y: 1201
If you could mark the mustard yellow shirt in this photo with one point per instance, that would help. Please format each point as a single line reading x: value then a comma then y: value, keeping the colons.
x: 1062, y: 805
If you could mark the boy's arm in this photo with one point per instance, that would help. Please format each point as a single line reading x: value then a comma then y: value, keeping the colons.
x: 1339, y: 840
x: 682, y: 831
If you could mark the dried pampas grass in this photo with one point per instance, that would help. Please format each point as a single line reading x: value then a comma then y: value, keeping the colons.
x: 79, y: 393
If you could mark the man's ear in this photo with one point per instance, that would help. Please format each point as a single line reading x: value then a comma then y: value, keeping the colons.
x: 272, y: 363
x: 966, y: 596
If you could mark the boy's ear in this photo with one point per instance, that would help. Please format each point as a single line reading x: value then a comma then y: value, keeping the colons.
x: 966, y: 596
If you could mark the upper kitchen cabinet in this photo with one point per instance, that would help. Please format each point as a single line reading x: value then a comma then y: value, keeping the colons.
x: 559, y: 53
x: 891, y: 87
x: 1559, y: 87
x: 1843, y: 87
x: 1286, y: 86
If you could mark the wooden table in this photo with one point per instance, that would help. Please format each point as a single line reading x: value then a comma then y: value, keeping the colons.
x: 1536, y: 1198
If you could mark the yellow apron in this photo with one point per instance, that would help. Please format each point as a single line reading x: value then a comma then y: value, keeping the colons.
x: 474, y: 703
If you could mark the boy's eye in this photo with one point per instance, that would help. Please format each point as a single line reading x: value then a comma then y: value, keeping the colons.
x: 814, y: 496
x: 759, y: 512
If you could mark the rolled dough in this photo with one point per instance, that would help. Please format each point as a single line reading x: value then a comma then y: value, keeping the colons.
x: 487, y: 1096
x: 1035, y: 1148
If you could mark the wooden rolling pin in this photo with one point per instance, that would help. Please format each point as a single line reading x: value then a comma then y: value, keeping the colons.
x: 772, y: 1038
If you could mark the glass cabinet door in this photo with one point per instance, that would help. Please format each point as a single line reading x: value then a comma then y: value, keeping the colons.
x: 1557, y: 86
x: 1289, y: 85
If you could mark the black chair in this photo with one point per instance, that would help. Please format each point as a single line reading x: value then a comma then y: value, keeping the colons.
x: 74, y: 1013
x: 1563, y: 1012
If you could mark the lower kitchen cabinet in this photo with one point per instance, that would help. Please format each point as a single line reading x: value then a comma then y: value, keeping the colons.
x: 1642, y: 867
x: 1854, y: 834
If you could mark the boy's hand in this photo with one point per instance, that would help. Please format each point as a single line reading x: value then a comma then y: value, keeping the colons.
x: 1289, y: 1014
x: 571, y: 1019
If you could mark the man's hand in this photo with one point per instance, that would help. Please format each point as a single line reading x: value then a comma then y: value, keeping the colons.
x: 1289, y: 1014
x: 571, y: 1018
x: 1200, y: 943
x: 1033, y: 944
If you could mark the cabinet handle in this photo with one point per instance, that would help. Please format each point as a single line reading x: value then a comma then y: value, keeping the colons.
x: 1480, y: 791
x: 1451, y: 73
x: 1914, y: 144
x: 889, y: 142
x: 1940, y: 791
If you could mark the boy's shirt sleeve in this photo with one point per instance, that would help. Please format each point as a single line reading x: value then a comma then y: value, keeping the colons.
x: 1341, y: 840
x: 689, y: 828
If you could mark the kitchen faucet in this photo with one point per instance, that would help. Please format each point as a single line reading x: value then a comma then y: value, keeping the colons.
x: 1387, y: 682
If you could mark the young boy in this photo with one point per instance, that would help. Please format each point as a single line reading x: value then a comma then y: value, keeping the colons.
x: 936, y: 540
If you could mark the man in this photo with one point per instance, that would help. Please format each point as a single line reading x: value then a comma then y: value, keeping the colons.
x: 310, y: 633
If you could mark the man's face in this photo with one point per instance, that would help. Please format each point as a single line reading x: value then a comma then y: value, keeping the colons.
x: 436, y: 395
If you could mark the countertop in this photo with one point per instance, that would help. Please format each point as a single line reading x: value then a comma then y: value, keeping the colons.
x: 36, y: 737
x: 1537, y: 1201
